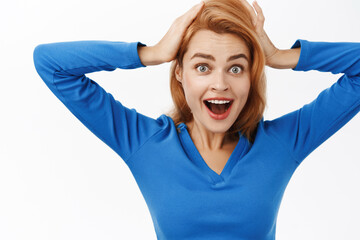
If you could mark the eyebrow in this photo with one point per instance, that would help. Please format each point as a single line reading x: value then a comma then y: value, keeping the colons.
x: 210, y: 57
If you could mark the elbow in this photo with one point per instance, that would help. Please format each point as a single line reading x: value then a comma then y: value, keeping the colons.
x: 43, y: 62
x: 39, y: 56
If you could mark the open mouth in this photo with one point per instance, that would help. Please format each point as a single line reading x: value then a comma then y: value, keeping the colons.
x: 218, y: 107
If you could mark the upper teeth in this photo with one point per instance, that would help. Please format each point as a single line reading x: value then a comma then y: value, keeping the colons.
x: 218, y: 101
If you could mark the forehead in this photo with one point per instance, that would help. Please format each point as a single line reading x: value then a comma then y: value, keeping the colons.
x: 218, y: 45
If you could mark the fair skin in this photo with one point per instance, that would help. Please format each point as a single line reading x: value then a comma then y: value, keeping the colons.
x: 214, y: 66
x: 215, y: 76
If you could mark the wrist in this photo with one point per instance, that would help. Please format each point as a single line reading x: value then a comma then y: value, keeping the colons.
x: 148, y: 56
x: 272, y: 58
x: 284, y: 59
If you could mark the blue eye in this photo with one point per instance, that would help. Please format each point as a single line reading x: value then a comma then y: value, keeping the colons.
x: 202, y: 68
x: 235, y: 69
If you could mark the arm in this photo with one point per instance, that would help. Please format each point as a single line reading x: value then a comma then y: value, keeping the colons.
x: 63, y: 66
x: 303, y: 130
x: 283, y: 59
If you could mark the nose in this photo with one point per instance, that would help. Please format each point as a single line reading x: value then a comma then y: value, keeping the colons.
x: 219, y: 82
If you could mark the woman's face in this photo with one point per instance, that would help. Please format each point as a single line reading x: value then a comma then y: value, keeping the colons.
x: 216, y: 79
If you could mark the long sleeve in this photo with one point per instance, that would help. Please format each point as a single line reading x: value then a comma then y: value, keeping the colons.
x: 303, y: 130
x: 63, y: 66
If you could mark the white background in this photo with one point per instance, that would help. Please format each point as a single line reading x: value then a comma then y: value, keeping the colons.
x: 58, y: 181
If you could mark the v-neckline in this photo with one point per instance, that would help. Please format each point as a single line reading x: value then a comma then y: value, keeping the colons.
x: 194, y: 155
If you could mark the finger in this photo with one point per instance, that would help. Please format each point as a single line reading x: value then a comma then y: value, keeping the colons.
x: 259, y: 11
x: 189, y: 16
x: 170, y: 42
x: 250, y: 9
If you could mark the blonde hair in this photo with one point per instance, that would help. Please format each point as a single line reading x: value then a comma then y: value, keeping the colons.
x: 226, y: 16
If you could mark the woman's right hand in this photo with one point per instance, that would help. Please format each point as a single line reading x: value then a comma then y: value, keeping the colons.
x: 166, y: 49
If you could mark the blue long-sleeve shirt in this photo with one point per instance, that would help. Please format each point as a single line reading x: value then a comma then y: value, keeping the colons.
x: 185, y: 197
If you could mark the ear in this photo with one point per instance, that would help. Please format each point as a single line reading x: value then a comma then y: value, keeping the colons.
x: 178, y: 72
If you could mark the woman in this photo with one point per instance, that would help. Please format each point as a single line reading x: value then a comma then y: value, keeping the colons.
x: 214, y: 168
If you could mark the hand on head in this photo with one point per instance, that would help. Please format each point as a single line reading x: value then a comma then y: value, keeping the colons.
x: 166, y: 49
x: 258, y: 20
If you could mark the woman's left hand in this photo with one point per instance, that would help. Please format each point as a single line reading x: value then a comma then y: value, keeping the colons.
x: 258, y: 20
x: 275, y: 58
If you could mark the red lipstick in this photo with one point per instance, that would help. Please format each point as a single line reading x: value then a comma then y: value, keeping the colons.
x: 222, y: 115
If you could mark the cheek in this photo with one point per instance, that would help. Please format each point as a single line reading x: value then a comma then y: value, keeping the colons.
x: 245, y: 86
x: 193, y: 86
x: 189, y: 79
x: 194, y: 90
x: 246, y: 89
x: 242, y: 91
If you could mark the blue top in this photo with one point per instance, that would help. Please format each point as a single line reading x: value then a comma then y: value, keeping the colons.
x: 186, y: 198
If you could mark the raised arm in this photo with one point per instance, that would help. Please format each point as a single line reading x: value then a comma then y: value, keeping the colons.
x: 63, y: 66
x: 305, y: 129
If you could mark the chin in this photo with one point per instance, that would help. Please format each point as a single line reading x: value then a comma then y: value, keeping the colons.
x: 219, y: 127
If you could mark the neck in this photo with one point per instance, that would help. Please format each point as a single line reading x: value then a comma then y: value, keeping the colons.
x: 207, y: 140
